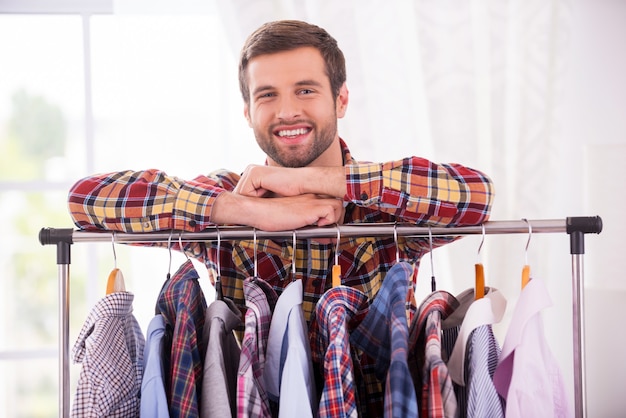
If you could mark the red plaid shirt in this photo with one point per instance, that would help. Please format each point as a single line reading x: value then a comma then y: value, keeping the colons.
x: 183, y: 307
x: 411, y: 190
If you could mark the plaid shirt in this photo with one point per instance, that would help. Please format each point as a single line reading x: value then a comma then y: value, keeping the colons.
x: 110, y: 348
x: 383, y: 335
x: 427, y: 362
x: 252, y: 400
x: 409, y: 190
x: 183, y: 307
x: 335, y: 315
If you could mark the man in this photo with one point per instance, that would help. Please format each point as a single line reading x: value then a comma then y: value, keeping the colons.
x: 293, y: 82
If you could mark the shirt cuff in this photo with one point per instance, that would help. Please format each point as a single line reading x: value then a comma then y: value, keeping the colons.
x: 364, y: 183
x: 192, y: 207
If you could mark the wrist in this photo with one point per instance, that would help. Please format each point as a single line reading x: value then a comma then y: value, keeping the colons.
x: 329, y: 181
x: 231, y: 208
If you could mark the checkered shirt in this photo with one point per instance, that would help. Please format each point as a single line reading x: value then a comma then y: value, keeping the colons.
x: 383, y: 335
x: 411, y: 190
x: 110, y: 349
x: 252, y: 400
x: 334, y: 317
x: 183, y: 306
x: 428, y: 353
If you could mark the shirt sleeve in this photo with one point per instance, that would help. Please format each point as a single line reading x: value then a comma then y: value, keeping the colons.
x: 419, y: 191
x: 145, y: 201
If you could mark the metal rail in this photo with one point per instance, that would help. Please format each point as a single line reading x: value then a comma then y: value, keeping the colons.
x: 576, y: 227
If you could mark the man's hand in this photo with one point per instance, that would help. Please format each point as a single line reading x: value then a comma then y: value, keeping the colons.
x: 276, y: 214
x: 266, y: 181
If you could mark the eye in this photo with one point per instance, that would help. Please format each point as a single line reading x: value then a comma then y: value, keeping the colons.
x: 305, y: 91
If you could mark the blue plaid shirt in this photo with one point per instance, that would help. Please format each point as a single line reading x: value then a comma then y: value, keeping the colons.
x: 383, y: 335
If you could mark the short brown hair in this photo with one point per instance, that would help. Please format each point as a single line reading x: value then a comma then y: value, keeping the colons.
x: 286, y: 35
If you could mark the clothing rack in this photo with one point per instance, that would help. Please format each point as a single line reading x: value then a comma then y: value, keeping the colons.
x: 575, y: 227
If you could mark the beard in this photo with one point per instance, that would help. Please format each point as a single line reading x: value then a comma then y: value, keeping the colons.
x: 300, y: 155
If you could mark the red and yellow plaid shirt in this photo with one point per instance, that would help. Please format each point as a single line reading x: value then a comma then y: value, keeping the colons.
x: 411, y: 190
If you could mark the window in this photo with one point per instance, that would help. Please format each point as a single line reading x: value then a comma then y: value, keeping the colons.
x: 81, y: 94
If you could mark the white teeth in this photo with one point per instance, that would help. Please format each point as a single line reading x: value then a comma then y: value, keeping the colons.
x: 293, y: 132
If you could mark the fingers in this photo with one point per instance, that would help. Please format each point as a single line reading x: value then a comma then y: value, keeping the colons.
x: 261, y: 181
x: 333, y: 214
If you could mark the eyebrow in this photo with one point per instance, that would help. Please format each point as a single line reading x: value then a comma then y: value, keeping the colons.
x: 301, y: 83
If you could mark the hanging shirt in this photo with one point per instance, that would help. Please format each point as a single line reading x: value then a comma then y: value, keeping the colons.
x: 252, y: 398
x: 408, y: 190
x: 219, y: 381
x: 383, y: 334
x: 153, y: 397
x: 476, y: 353
x: 288, y: 373
x: 183, y: 307
x: 483, y: 352
x: 528, y: 376
x: 334, y: 315
x: 427, y: 348
x: 110, y: 349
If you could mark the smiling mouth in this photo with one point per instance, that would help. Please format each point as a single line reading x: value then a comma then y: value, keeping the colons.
x: 292, y: 133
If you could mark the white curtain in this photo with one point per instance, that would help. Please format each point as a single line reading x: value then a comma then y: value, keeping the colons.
x: 492, y: 84
x: 476, y: 82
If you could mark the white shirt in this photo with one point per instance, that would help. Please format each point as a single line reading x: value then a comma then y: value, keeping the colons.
x: 528, y: 375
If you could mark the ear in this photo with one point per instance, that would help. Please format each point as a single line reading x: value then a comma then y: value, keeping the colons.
x: 342, y: 101
x: 246, y: 114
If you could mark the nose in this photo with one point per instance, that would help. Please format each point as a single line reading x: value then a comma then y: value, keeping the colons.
x: 289, y: 107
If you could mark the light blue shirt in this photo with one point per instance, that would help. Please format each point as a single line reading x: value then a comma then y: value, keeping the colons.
x: 153, y: 399
x: 288, y: 373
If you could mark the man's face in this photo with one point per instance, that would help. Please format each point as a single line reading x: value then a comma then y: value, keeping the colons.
x: 292, y: 110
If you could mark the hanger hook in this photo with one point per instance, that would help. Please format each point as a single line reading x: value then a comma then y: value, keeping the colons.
x: 169, y: 249
x: 114, y: 253
x: 337, y: 244
x: 482, y: 241
x: 256, y: 267
x: 217, y: 255
x: 530, y: 234
x: 395, y: 240
x: 180, y: 243
x: 293, y: 255
x: 433, y: 282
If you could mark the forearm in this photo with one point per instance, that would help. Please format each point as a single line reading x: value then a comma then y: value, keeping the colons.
x: 276, y: 213
x: 141, y: 201
x: 327, y: 181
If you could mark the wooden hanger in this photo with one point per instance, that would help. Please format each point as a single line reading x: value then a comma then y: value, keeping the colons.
x: 479, y: 270
x: 526, y: 268
x: 336, y: 272
x: 115, y: 282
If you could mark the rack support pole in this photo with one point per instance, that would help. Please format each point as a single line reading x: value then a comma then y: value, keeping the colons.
x: 64, y: 332
x: 577, y: 227
x: 63, y: 239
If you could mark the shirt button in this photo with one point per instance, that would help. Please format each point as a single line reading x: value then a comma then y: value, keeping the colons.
x: 409, y: 204
x: 364, y: 196
x: 192, y: 223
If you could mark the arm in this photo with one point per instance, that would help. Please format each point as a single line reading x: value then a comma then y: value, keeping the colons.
x: 145, y: 201
x: 419, y: 191
x: 413, y: 189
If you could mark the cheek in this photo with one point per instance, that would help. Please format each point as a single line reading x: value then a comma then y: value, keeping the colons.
x: 259, y: 116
